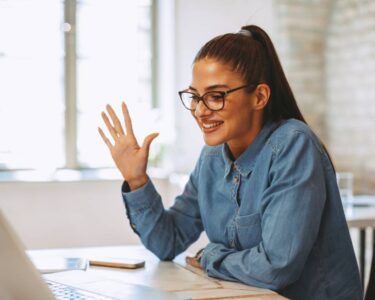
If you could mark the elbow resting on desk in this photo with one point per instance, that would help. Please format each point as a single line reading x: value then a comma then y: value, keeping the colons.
x: 251, y: 267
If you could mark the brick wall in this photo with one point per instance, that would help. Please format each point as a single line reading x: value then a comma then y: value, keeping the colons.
x: 328, y: 52
x: 350, y: 86
x: 301, y: 28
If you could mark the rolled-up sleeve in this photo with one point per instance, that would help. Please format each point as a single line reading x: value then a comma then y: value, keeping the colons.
x: 166, y: 233
x: 291, y: 210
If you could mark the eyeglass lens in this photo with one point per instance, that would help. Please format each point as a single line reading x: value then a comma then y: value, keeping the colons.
x: 213, y: 100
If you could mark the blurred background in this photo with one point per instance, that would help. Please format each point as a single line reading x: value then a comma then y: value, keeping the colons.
x: 61, y: 62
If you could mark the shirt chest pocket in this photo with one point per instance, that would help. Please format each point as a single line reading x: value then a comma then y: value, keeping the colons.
x: 249, y: 230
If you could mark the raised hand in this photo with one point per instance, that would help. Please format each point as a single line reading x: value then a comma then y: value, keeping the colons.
x: 129, y: 157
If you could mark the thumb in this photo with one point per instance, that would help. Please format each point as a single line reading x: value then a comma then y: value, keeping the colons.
x: 147, y: 141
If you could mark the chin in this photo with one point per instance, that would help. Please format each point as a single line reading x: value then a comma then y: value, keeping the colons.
x: 212, y: 141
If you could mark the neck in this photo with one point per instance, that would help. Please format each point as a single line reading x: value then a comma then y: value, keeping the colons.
x: 238, y: 146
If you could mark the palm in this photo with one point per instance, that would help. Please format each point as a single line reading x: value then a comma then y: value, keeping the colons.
x: 128, y: 153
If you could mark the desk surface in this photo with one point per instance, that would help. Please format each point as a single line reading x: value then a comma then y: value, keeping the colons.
x: 174, y: 276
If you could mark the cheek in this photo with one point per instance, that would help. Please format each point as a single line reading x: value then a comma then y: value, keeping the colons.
x: 240, y: 118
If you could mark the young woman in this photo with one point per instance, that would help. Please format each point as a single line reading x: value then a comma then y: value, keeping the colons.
x: 264, y: 188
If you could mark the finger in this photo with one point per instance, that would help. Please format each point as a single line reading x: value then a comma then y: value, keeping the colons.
x: 111, y: 130
x: 128, y: 121
x: 105, y: 139
x: 147, y: 141
x: 115, y: 120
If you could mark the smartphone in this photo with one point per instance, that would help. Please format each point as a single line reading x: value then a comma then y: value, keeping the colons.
x: 113, y: 262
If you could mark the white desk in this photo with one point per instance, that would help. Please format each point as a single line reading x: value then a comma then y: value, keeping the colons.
x: 174, y: 276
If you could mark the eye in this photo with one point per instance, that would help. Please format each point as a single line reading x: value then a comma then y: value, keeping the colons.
x: 213, y: 97
x: 194, y: 97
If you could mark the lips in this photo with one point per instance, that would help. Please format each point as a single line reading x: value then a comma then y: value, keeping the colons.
x: 208, y: 127
x: 211, y: 125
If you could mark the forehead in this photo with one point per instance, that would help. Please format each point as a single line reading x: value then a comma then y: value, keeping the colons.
x: 208, y: 72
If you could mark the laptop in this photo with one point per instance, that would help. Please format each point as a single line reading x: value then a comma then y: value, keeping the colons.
x: 19, y: 279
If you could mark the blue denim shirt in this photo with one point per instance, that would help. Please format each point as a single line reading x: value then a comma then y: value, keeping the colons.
x: 274, y: 217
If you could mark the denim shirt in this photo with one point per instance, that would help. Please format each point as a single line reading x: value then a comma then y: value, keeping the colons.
x: 273, y: 216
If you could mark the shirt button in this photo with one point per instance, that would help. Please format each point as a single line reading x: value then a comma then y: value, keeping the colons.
x: 235, y: 179
x: 133, y: 226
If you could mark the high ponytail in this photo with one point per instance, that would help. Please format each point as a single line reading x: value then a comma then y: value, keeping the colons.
x: 282, y: 103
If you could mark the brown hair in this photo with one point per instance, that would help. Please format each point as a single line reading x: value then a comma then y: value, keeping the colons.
x: 254, y: 57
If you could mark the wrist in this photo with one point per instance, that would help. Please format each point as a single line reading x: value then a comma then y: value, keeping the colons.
x: 137, y: 183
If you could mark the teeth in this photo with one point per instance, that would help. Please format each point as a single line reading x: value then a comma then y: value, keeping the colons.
x: 211, y: 125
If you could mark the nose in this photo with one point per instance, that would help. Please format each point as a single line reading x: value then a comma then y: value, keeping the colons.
x: 201, y: 110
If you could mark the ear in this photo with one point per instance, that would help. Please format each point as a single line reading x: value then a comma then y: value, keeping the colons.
x: 262, y: 95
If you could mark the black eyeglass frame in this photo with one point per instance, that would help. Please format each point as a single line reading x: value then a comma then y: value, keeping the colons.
x: 222, y: 93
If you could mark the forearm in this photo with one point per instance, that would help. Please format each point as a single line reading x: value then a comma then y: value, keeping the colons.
x: 250, y: 266
x: 155, y: 229
x: 164, y: 232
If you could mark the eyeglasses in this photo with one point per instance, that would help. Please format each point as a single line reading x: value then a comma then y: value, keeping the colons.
x: 213, y: 100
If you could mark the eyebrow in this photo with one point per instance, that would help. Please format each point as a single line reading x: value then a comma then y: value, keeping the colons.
x: 211, y: 87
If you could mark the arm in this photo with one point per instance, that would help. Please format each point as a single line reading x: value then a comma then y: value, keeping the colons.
x: 291, y: 210
x: 165, y: 232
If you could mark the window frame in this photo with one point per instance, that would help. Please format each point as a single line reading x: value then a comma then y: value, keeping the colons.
x: 70, y: 80
x: 163, y: 87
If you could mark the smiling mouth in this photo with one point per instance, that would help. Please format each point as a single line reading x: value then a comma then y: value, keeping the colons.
x: 211, y: 125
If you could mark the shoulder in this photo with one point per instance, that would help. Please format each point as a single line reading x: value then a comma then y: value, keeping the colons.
x: 293, y: 133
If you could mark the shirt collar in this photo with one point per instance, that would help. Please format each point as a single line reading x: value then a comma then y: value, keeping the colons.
x: 245, y: 163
